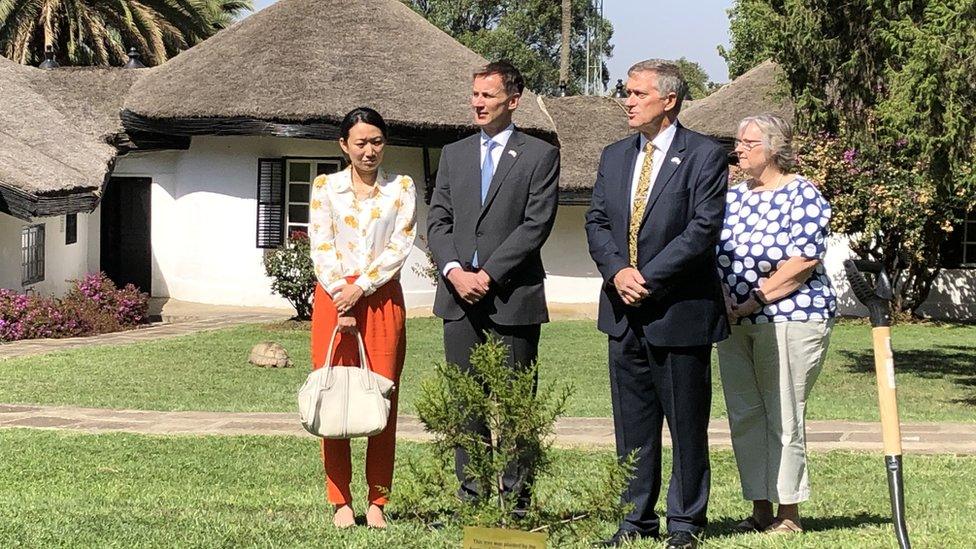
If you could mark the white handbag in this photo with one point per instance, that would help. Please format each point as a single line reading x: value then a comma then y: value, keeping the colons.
x: 343, y: 401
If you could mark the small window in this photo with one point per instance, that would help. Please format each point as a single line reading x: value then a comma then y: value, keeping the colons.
x: 70, y: 228
x: 959, y: 249
x: 300, y: 186
x: 32, y: 254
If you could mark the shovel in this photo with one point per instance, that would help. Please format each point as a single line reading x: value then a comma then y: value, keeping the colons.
x: 877, y: 300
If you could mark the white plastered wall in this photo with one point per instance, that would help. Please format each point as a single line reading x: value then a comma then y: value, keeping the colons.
x: 571, y: 275
x: 204, y: 217
x: 203, y: 232
x: 953, y: 295
x: 62, y: 262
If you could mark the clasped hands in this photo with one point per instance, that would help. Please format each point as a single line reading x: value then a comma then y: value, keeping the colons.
x: 471, y: 287
x: 344, y: 300
x: 629, y: 284
x: 736, y: 310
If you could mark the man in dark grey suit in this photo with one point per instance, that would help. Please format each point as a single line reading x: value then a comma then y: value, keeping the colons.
x: 493, y: 207
x: 654, y: 220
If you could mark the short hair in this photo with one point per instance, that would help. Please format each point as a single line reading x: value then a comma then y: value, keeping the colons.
x: 511, y: 77
x: 669, y: 78
x: 777, y: 138
x: 361, y: 114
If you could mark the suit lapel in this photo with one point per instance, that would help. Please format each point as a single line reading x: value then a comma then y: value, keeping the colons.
x: 672, y: 160
x: 511, y: 155
x: 469, y: 193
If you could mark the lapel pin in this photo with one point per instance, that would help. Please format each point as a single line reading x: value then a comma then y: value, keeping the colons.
x: 675, y: 160
x: 513, y: 153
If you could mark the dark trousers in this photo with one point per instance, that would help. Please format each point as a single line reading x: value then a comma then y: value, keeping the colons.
x: 647, y: 385
x: 460, y: 337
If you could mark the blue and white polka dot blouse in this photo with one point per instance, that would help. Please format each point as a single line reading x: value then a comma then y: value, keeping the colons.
x: 762, y: 230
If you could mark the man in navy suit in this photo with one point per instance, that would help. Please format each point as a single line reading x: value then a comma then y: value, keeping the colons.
x: 655, y: 217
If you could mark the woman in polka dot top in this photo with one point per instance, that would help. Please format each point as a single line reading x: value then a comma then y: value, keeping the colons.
x: 781, y: 306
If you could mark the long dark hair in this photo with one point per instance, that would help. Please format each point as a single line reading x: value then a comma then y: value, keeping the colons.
x: 362, y: 114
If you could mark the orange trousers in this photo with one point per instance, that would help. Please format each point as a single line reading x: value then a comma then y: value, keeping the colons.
x: 380, y: 318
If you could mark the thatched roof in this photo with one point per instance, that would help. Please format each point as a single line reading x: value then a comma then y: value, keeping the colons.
x: 296, y: 67
x: 755, y: 92
x: 585, y: 124
x: 54, y: 128
x: 90, y: 98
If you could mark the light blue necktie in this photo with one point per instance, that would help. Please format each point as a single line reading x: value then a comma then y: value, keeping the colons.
x: 487, y: 171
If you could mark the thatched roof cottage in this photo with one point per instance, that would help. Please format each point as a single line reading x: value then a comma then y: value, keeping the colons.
x: 761, y: 89
x: 201, y: 163
x: 177, y: 178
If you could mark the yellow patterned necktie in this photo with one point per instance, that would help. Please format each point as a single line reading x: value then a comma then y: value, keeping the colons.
x: 640, y: 200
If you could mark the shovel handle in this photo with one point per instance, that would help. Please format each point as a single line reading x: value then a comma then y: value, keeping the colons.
x: 884, y: 368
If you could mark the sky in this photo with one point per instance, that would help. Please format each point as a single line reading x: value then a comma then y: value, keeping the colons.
x: 662, y: 29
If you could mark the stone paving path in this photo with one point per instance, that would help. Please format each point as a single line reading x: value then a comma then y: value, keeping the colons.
x: 955, y: 438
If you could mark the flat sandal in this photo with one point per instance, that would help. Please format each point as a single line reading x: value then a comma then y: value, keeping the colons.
x: 750, y: 524
x: 783, y: 526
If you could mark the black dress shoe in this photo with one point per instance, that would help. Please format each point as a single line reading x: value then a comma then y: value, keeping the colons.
x: 622, y: 537
x: 682, y: 540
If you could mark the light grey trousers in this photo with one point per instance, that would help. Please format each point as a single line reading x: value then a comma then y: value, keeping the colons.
x: 767, y: 373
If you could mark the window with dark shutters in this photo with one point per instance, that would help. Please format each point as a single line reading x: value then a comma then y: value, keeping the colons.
x: 70, y: 228
x: 959, y: 248
x: 300, y: 173
x: 271, y: 202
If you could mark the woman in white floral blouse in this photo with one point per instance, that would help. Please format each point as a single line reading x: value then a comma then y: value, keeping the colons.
x: 361, y: 228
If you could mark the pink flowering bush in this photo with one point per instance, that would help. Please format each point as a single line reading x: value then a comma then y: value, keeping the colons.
x: 93, y: 305
x: 128, y: 306
x: 24, y: 316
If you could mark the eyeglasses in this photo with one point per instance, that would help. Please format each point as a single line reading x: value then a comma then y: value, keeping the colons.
x: 747, y: 144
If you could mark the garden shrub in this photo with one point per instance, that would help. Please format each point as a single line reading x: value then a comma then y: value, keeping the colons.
x: 29, y: 316
x: 93, y: 305
x: 292, y: 272
x: 128, y: 306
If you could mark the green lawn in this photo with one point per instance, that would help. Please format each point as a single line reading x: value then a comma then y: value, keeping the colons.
x: 208, y: 371
x: 60, y: 489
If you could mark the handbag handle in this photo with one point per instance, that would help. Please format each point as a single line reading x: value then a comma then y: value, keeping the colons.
x: 363, y: 363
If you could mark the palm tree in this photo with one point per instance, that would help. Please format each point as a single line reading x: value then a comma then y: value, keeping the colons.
x: 98, y: 32
x: 567, y: 36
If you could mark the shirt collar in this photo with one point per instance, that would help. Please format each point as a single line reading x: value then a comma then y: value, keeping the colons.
x: 662, y: 141
x: 343, y: 180
x: 501, y: 138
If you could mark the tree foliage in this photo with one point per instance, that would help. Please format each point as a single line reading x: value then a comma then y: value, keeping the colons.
x: 91, y: 32
x: 752, y: 34
x: 526, y: 33
x: 885, y: 90
x: 697, y: 78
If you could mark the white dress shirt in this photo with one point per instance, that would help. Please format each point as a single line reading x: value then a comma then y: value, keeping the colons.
x: 501, y: 141
x: 662, y: 142
x: 366, y: 238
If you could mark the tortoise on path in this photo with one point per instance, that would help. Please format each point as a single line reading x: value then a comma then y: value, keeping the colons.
x: 269, y: 354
